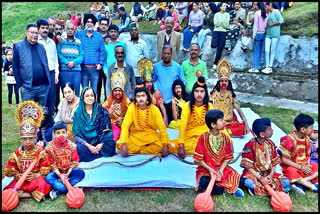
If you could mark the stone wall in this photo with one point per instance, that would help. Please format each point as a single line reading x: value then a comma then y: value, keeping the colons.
x: 295, y: 67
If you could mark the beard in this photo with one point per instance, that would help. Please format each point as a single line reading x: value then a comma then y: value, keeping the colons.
x: 89, y: 28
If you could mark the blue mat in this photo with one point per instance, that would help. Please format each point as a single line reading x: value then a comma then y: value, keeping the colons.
x: 170, y: 172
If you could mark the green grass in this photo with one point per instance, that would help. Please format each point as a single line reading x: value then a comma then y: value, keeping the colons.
x: 166, y: 200
x: 301, y: 20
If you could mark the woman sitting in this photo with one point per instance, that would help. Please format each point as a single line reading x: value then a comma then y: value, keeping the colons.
x: 92, y: 128
x: 117, y: 102
x: 143, y: 130
x: 67, y: 107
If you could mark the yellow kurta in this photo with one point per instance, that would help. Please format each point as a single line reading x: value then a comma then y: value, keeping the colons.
x: 190, y: 131
x: 143, y: 141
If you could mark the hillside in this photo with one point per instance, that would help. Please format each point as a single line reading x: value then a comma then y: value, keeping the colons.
x: 300, y: 20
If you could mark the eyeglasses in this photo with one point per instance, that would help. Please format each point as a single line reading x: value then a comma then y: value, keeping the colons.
x: 34, y: 33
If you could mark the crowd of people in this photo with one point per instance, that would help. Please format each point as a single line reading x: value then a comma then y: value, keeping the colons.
x: 142, y: 98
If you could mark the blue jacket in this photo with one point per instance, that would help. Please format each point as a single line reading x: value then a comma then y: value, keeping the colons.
x: 22, y: 63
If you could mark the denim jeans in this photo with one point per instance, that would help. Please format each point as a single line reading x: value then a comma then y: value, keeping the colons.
x: 218, y: 41
x: 284, y: 181
x: 187, y: 35
x: 202, y: 35
x: 38, y: 94
x: 70, y: 76
x: 257, y: 49
x: 75, y: 177
x: 51, y: 101
x: 92, y: 75
x: 270, y: 50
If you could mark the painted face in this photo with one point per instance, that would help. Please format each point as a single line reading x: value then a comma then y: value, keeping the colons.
x: 44, y: 30
x: 28, y: 142
x: 224, y: 83
x: 178, y: 90
x: 60, y: 135
x: 89, y: 97
x: 141, y: 98
x: 199, y: 94
x: 32, y: 35
x: 68, y: 93
x: 149, y: 84
x: 117, y: 93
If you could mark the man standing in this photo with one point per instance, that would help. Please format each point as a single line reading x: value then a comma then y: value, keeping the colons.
x: 165, y: 72
x: 51, y: 22
x: 194, y: 67
x: 168, y: 37
x: 104, y: 25
x: 74, y: 19
x: 70, y: 54
x: 53, y: 63
x: 136, y: 49
x: 58, y: 29
x: 30, y: 67
x: 94, y: 53
x: 120, y: 65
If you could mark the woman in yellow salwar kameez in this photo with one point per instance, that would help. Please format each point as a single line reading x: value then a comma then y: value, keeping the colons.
x: 193, y: 119
x: 139, y: 128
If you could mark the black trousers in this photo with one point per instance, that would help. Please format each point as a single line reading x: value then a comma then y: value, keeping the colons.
x: 102, y: 78
x: 218, y: 41
x: 168, y: 107
x: 203, y: 184
x: 16, y: 92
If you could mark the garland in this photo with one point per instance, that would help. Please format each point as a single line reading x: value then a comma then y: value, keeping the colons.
x: 204, y: 110
x: 138, y: 117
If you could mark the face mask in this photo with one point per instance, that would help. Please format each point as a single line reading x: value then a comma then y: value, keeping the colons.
x: 61, y: 138
x: 149, y: 87
x: 223, y: 85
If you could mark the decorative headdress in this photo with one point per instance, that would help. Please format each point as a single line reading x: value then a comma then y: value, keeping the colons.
x: 224, y: 68
x: 118, y: 79
x: 29, y: 116
x: 145, y: 68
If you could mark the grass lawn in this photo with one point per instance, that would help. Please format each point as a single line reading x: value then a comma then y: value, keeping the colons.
x: 172, y: 200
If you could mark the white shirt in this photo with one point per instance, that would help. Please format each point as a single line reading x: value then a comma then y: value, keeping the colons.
x: 135, y: 52
x: 52, y: 54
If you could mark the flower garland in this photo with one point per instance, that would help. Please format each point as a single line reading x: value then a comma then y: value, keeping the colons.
x: 204, y: 110
x: 138, y: 117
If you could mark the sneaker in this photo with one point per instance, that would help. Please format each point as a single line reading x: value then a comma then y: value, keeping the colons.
x: 239, y: 193
x: 267, y: 70
x: 214, y: 67
x: 297, y: 188
x: 252, y: 70
x: 54, y: 194
x: 316, y: 186
x: 251, y: 191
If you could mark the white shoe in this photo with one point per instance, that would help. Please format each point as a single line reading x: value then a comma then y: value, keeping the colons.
x: 252, y: 70
x: 267, y: 70
x: 214, y: 67
x: 296, y: 189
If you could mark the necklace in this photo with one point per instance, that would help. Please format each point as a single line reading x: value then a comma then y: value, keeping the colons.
x: 138, y: 117
x: 202, y: 115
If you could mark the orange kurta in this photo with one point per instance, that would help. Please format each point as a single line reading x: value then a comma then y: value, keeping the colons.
x: 214, y: 150
x: 298, y: 151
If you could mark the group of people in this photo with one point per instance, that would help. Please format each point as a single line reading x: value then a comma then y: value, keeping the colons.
x: 142, y: 99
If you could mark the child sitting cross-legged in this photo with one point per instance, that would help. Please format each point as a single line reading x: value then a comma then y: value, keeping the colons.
x: 260, y: 158
x: 212, y: 154
x: 295, y: 152
x: 64, y: 159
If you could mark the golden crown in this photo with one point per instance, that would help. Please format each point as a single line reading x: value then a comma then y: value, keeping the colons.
x: 118, y: 79
x: 145, y: 68
x: 224, y: 68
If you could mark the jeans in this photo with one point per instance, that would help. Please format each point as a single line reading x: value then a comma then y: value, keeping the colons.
x: 218, y: 41
x: 187, y: 35
x: 75, y: 177
x: 270, y: 43
x: 92, y: 75
x: 284, y: 181
x: 202, y: 35
x: 38, y: 94
x: 10, y: 92
x: 70, y: 76
x: 52, y: 94
x: 257, y: 49
x: 101, y: 82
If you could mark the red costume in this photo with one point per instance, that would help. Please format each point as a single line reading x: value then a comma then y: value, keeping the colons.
x: 214, y: 150
x: 19, y: 161
x: 62, y: 156
x: 261, y: 158
x: 298, y: 151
